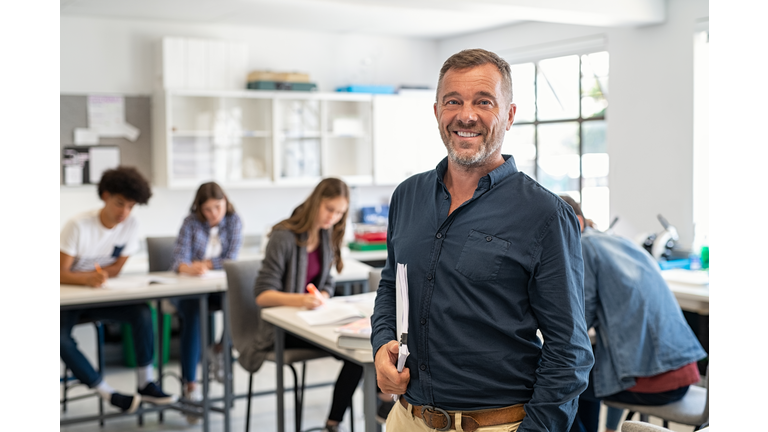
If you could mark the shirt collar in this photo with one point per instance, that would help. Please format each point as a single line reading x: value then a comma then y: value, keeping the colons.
x: 488, y: 181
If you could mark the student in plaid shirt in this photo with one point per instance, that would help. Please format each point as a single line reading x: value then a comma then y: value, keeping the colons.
x: 210, y: 234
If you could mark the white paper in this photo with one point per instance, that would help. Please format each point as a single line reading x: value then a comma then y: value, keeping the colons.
x: 106, y: 117
x: 73, y: 175
x: 401, y: 285
x: 331, y: 313
x: 136, y: 282
x: 210, y: 274
x: 692, y: 277
x: 85, y: 136
x: 102, y: 159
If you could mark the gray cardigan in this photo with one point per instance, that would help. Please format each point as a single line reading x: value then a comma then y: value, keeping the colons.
x: 284, y: 268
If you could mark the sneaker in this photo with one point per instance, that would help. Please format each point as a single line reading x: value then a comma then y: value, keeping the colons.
x: 152, y: 393
x: 127, y: 404
x: 193, y: 396
x: 383, y: 409
x: 215, y: 364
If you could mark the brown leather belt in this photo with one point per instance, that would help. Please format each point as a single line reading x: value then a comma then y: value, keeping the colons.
x: 437, y: 418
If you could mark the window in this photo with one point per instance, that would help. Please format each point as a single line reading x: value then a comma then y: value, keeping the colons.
x: 559, y: 133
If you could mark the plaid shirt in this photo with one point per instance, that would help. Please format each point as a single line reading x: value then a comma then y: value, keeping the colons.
x: 193, y: 238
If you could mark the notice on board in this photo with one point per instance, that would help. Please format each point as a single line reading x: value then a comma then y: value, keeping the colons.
x: 106, y: 118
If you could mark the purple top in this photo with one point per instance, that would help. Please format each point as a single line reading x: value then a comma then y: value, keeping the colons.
x: 314, y: 262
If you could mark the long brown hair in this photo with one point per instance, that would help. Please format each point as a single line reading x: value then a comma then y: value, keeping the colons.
x: 206, y: 191
x: 304, y: 216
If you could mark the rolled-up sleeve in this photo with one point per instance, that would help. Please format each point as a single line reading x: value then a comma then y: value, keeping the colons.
x: 557, y: 300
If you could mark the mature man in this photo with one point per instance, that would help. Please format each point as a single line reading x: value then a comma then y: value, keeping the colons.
x: 645, y: 352
x: 492, y: 256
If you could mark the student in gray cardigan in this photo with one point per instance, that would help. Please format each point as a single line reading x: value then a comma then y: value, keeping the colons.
x: 300, y: 253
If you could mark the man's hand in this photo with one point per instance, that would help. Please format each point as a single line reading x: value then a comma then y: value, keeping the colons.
x: 96, y: 278
x: 388, y: 379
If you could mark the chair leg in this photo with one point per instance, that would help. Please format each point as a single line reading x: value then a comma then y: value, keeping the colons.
x: 100, y: 355
x: 248, y: 406
x: 64, y: 399
x: 351, y: 417
x: 665, y: 423
x: 296, y: 398
x: 630, y: 414
x: 644, y: 418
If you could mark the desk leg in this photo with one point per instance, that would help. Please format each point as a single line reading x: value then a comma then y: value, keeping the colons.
x: 370, y: 398
x: 279, y: 392
x: 227, y: 361
x: 203, y: 300
x: 160, y: 353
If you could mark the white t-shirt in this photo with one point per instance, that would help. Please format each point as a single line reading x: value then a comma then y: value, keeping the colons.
x: 90, y: 242
x: 213, y: 248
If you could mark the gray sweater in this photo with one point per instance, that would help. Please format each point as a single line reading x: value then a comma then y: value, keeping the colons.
x: 284, y: 268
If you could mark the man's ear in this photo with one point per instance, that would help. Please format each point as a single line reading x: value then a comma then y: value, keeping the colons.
x: 581, y: 222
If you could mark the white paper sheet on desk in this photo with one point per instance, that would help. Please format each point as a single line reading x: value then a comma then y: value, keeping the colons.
x: 210, y: 274
x: 331, y: 313
x: 136, y: 282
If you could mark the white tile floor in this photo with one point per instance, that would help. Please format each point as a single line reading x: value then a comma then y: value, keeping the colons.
x: 316, y: 403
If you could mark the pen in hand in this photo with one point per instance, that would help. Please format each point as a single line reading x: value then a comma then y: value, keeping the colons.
x: 313, y: 289
x: 101, y: 272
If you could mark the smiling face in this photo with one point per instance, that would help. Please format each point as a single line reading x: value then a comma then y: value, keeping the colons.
x: 473, y: 115
x: 214, y: 210
x: 330, y: 212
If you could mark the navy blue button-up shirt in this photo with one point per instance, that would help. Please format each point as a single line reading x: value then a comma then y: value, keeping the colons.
x: 481, y: 281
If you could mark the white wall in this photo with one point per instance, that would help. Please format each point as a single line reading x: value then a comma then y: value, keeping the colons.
x: 650, y: 116
x: 107, y: 55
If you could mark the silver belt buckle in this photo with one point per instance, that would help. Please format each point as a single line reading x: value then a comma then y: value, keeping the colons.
x: 441, y: 411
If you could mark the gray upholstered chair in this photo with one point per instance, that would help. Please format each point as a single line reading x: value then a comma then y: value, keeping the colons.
x: 633, y: 426
x: 245, y: 326
x: 692, y: 410
x: 374, y: 277
x: 160, y: 253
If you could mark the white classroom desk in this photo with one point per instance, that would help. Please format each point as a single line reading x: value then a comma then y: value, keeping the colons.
x: 286, y: 319
x: 81, y: 297
x: 692, y: 293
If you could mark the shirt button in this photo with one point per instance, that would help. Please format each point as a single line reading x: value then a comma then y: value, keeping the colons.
x: 429, y: 277
x: 439, y: 235
x: 423, y: 367
x: 445, y: 197
x: 488, y: 238
x: 423, y: 321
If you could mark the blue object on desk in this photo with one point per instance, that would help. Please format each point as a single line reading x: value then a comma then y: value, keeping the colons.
x: 377, y: 89
x: 375, y: 215
x: 675, y: 264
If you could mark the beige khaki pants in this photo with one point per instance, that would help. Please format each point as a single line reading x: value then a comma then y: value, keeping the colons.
x: 402, y: 420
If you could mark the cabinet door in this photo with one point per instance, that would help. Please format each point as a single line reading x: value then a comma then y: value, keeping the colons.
x: 406, y: 137
x: 347, y: 146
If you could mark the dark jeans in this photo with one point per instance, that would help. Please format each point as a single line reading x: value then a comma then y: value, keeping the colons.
x: 588, y: 415
x: 138, y: 316
x: 189, y: 313
x: 346, y: 383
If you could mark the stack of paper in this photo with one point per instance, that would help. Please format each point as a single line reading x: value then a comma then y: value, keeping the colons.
x: 331, y: 313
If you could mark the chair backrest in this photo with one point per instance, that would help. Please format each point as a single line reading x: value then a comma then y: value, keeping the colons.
x: 374, y: 277
x: 249, y: 337
x: 160, y: 253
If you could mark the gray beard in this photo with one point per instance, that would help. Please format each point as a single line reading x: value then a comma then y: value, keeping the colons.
x: 476, y: 160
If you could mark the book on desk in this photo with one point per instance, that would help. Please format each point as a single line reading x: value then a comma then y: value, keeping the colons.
x: 355, y: 335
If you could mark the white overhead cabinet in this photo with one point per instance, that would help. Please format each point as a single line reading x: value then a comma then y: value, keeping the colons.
x: 405, y: 135
x: 257, y: 138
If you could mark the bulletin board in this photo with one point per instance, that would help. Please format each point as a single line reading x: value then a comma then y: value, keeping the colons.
x: 73, y: 112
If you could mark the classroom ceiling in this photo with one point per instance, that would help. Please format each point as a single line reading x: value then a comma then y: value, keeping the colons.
x: 434, y: 19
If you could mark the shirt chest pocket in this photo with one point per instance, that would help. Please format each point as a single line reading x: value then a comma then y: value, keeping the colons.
x: 481, y: 256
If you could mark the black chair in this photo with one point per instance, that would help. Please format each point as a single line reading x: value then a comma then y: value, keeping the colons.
x: 160, y: 253
x: 245, y: 324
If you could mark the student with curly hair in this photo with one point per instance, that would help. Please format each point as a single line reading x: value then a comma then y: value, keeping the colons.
x: 94, y: 247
